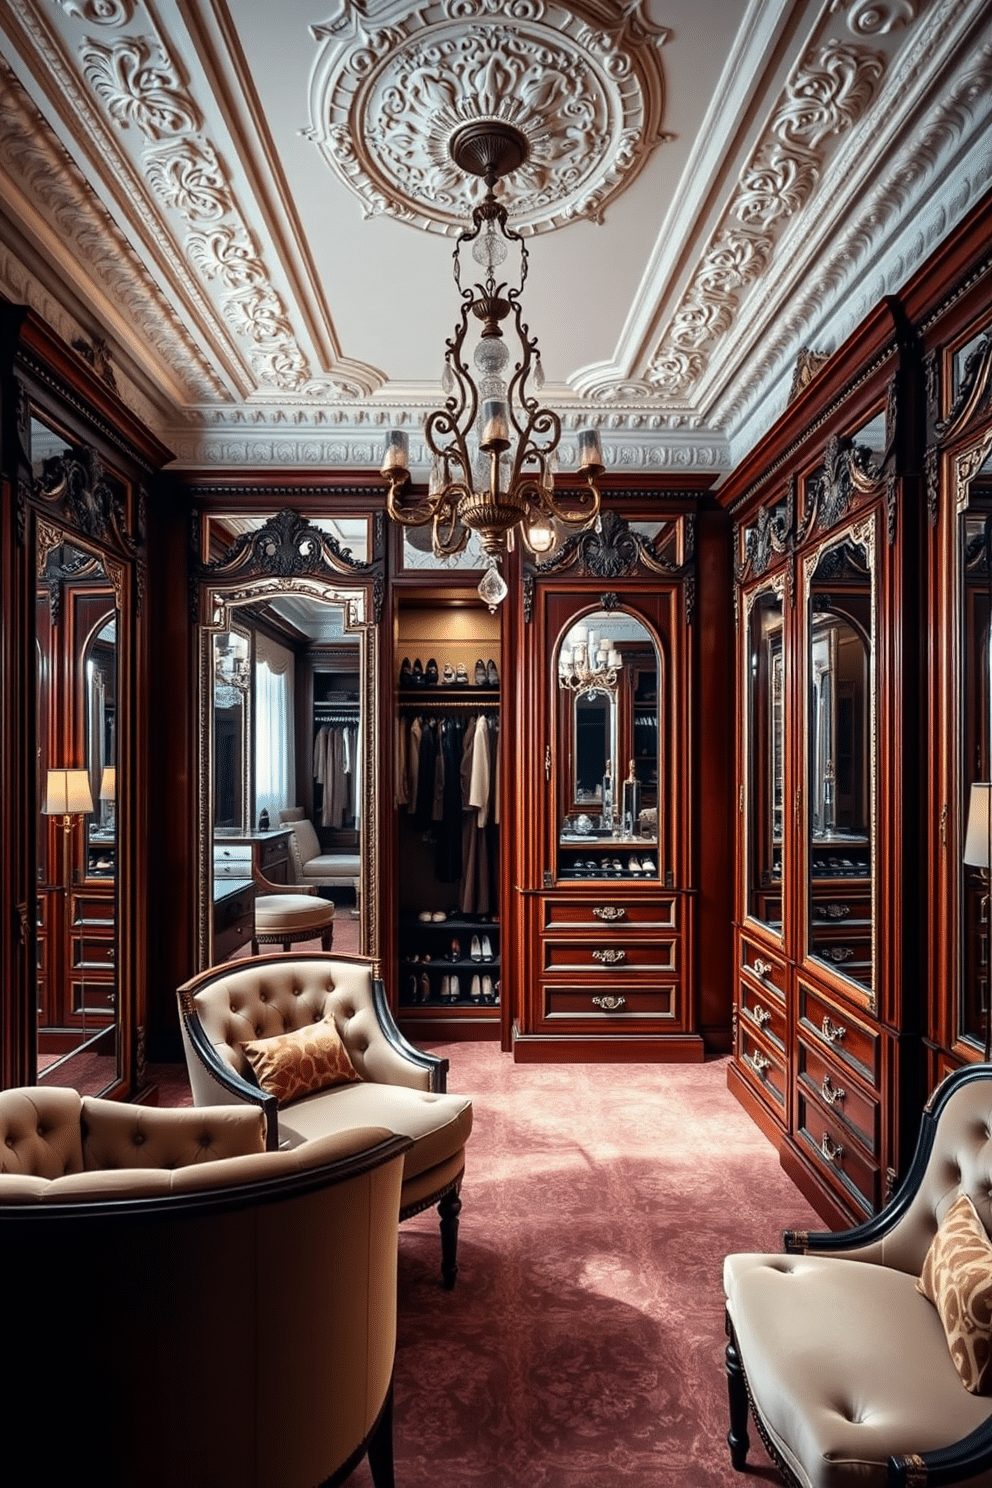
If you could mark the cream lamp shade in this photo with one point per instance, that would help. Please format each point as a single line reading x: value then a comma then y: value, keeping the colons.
x: 108, y: 783
x: 979, y: 829
x: 67, y: 793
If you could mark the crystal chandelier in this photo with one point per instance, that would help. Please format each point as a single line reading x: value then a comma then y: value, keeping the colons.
x: 494, y: 448
x: 588, y: 663
x: 232, y: 672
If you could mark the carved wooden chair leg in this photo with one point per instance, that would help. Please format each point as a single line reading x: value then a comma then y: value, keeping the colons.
x: 737, y: 1437
x: 448, y: 1210
x: 380, y: 1447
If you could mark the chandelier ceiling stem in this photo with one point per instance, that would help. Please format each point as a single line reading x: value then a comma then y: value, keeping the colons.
x: 494, y: 447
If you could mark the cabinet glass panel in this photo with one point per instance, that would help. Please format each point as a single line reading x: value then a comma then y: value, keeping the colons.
x: 609, y: 672
x: 840, y: 732
x: 764, y: 757
x: 975, y: 538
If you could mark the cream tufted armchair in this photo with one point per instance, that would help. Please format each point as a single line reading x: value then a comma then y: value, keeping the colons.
x: 182, y: 1306
x: 225, y: 1010
x: 855, y: 1377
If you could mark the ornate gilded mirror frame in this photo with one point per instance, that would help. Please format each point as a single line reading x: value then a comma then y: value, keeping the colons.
x: 289, y: 555
x: 763, y: 759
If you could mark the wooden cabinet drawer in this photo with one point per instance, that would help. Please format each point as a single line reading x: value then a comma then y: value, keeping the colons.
x: 851, y: 1042
x: 821, y: 1077
x: 610, y: 1004
x: 611, y: 912
x: 834, y: 1153
x: 621, y: 954
x: 762, y: 1012
x: 764, y: 1068
x: 763, y: 966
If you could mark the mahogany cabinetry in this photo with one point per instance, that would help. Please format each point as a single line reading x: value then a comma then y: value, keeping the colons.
x: 826, y: 532
x: 604, y: 910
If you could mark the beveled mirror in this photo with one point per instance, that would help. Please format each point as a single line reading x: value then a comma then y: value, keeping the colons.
x: 764, y: 754
x: 841, y: 714
x: 608, y: 670
x: 288, y: 668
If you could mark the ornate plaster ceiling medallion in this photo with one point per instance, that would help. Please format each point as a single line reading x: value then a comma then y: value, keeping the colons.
x: 582, y: 83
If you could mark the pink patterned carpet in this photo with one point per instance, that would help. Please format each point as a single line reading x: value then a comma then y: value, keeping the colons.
x: 582, y: 1345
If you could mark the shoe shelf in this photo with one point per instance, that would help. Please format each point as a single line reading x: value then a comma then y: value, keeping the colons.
x: 449, y: 960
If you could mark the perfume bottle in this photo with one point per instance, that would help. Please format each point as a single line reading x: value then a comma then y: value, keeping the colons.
x: 606, y: 800
x: 631, y: 803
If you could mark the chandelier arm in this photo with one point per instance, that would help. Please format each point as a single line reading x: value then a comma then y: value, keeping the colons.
x: 582, y: 517
x: 415, y: 514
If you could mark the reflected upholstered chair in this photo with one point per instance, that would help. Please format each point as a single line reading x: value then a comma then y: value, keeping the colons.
x: 201, y: 1311
x: 332, y: 870
x: 286, y: 914
x: 853, y: 1374
x: 230, y: 1016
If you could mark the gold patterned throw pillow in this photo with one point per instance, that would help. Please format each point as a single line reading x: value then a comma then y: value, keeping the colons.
x: 298, y: 1063
x: 957, y: 1279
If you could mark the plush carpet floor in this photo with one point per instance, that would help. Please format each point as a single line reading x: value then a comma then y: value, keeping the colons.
x: 582, y: 1345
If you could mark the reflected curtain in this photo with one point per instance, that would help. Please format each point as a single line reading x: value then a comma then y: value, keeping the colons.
x: 275, y: 769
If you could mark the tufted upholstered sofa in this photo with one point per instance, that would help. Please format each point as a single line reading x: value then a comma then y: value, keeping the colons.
x: 845, y: 1364
x: 400, y: 1087
x: 167, y: 1275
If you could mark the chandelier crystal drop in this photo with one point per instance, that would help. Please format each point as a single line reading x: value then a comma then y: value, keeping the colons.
x: 493, y: 446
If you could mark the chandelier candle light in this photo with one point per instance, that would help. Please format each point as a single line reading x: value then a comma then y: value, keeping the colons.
x: 588, y: 662
x: 494, y: 447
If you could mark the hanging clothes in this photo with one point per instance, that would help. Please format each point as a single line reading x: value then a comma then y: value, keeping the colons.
x: 335, y: 762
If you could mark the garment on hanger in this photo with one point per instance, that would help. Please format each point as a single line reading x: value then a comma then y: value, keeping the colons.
x: 335, y: 765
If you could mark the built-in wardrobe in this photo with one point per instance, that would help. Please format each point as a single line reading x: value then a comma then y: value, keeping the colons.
x: 861, y: 597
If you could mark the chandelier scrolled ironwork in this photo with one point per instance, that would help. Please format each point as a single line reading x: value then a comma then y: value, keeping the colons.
x: 493, y: 445
x: 588, y: 663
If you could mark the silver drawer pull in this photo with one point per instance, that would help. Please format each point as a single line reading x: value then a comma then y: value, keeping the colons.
x: 609, y: 1004
x: 832, y: 1151
x: 609, y: 912
x: 832, y: 1032
x: 610, y: 957
x: 760, y: 1014
x: 761, y: 968
x: 759, y: 1063
x: 831, y: 1093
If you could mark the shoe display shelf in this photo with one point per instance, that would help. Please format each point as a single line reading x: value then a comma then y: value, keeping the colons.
x: 449, y: 960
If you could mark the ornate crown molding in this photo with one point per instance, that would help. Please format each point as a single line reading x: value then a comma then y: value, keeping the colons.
x: 583, y: 82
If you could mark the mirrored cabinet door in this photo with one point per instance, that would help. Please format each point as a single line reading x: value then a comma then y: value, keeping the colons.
x: 764, y: 755
x: 841, y: 723
x: 609, y: 671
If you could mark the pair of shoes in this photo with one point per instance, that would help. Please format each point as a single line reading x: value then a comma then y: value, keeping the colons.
x: 431, y: 673
x: 461, y: 676
x: 448, y: 676
x: 451, y: 989
x: 647, y: 865
x: 425, y: 987
x: 492, y: 675
x: 480, y: 674
x: 406, y: 675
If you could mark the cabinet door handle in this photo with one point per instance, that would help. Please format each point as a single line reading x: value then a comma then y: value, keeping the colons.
x: 760, y: 1014
x: 609, y: 1004
x: 547, y: 761
x: 832, y: 1032
x: 610, y: 957
x: 759, y: 1063
x: 831, y: 1093
x: 608, y: 912
x: 761, y: 968
x: 832, y: 1151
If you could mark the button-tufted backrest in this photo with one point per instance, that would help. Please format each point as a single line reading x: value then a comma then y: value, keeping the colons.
x: 40, y: 1132
x: 125, y: 1136
x: 960, y: 1162
x: 273, y: 995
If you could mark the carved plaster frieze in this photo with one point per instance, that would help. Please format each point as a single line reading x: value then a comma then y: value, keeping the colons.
x: 582, y: 81
x: 959, y: 115
x: 828, y: 94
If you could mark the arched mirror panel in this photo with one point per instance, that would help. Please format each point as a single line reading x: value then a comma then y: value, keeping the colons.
x: 84, y: 577
x: 973, y: 489
x: 610, y: 680
x: 841, y: 729
x: 764, y: 753
x: 288, y: 727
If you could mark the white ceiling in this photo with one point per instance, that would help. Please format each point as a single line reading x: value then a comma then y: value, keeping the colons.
x: 246, y: 201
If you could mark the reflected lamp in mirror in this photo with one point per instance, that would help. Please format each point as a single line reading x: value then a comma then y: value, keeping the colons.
x: 67, y: 794
x: 108, y: 794
x: 588, y: 662
x: 978, y: 833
